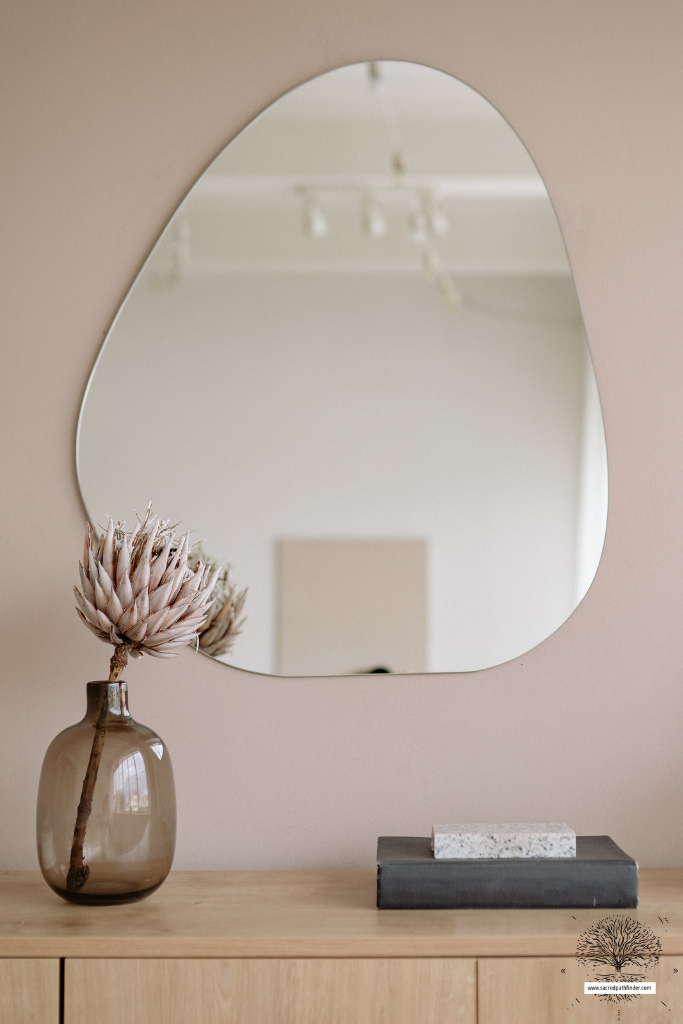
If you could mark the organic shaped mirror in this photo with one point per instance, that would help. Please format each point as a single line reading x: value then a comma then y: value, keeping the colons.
x: 355, y: 365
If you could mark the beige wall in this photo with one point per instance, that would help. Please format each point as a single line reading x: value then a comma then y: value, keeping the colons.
x: 109, y: 111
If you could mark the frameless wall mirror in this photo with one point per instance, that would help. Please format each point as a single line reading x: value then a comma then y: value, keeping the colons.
x: 355, y: 365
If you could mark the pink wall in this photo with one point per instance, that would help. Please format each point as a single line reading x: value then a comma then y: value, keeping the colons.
x: 109, y: 112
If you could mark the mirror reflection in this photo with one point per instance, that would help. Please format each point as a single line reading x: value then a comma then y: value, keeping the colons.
x: 355, y: 365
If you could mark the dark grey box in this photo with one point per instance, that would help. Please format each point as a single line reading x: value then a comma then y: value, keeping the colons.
x: 409, y: 877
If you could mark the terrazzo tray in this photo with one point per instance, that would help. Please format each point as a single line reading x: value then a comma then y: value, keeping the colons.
x: 409, y: 877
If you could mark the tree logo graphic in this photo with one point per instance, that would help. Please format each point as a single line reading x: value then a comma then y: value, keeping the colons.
x: 625, y: 947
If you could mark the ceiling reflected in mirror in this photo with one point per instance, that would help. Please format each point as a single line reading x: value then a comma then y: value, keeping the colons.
x: 355, y: 366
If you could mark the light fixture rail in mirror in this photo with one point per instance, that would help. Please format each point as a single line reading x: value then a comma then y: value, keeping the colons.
x: 358, y: 363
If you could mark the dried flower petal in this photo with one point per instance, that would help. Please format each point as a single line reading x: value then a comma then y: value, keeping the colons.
x: 101, y: 599
x: 114, y: 608
x: 108, y: 549
x: 142, y: 605
x: 125, y: 591
x: 129, y: 618
x: 160, y: 564
x: 88, y: 589
x: 156, y: 620
x: 137, y: 633
x: 123, y: 561
x: 93, y: 629
x: 85, y: 606
x: 160, y: 597
x: 104, y: 580
x: 104, y: 622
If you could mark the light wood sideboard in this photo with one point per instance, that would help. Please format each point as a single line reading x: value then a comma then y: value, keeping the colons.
x: 309, y: 947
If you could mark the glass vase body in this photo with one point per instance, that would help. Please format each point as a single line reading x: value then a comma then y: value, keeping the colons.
x: 130, y: 832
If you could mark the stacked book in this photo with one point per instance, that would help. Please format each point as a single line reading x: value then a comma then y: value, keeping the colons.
x: 515, y: 865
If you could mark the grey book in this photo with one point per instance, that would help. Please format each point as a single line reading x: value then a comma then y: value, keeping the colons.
x: 410, y: 878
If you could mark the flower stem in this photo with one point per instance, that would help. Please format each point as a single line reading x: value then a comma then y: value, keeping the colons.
x: 79, y: 871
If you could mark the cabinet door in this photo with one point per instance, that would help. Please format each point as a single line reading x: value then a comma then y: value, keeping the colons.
x: 29, y: 991
x: 425, y: 991
x: 550, y: 991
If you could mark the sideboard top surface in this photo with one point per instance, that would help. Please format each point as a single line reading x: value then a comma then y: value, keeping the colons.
x: 301, y: 914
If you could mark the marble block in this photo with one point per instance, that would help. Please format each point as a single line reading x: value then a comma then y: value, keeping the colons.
x: 517, y: 839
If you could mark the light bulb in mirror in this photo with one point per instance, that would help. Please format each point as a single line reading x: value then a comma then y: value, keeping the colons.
x: 373, y: 221
x: 315, y: 223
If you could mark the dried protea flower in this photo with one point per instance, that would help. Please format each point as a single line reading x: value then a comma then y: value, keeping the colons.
x: 139, y: 592
x: 222, y: 624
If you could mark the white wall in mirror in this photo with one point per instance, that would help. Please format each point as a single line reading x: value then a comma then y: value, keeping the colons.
x: 361, y: 325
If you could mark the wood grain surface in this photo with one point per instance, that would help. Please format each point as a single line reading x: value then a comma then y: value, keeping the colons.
x: 271, y: 991
x: 29, y: 991
x: 550, y: 991
x: 301, y: 914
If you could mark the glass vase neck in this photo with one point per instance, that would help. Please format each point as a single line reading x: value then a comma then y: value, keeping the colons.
x: 116, y: 695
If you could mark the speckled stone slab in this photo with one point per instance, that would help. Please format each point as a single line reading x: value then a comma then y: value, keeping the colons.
x: 490, y: 841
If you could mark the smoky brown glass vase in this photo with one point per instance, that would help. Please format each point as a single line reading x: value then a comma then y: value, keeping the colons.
x: 127, y: 839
